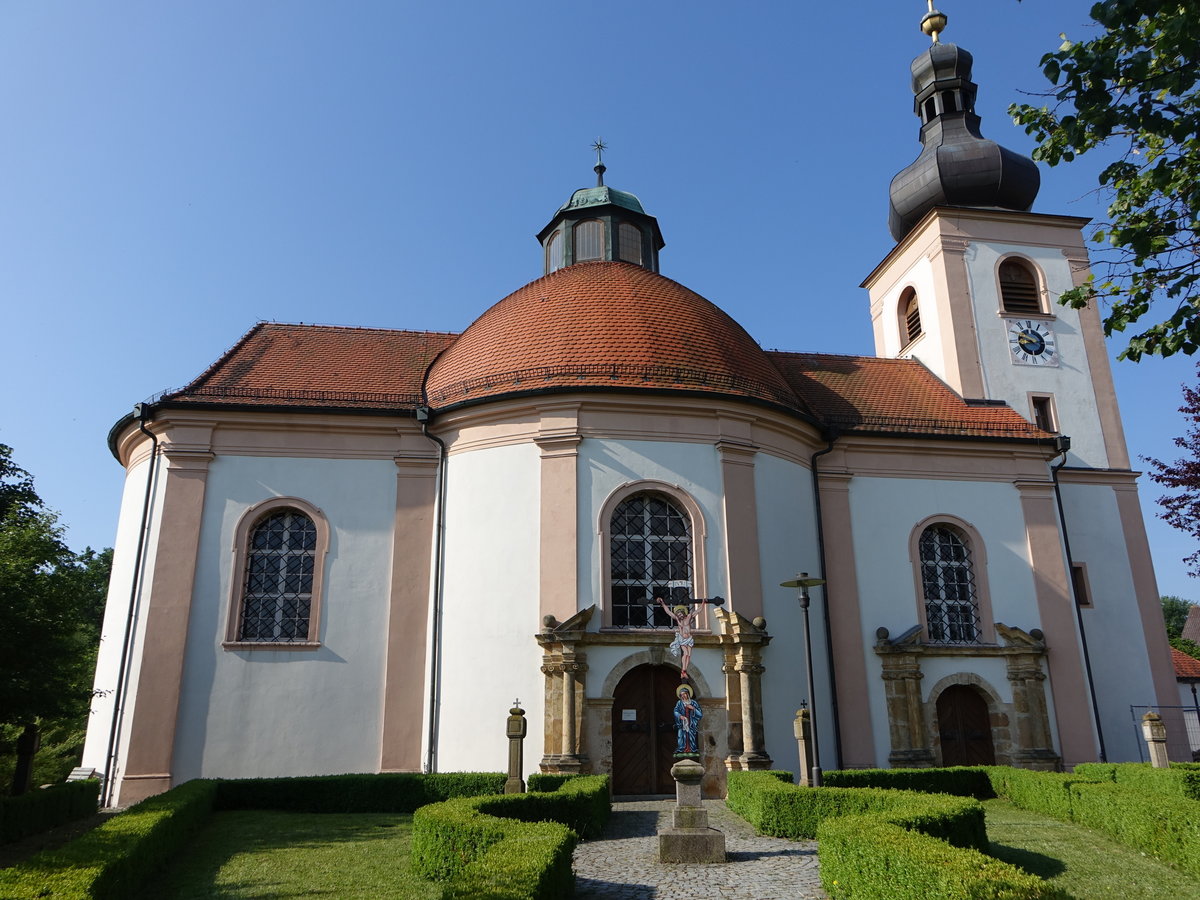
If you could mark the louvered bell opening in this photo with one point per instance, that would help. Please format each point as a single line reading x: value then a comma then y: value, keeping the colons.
x: 1019, y: 289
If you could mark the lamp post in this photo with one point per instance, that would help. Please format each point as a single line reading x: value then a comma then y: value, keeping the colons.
x: 802, y: 583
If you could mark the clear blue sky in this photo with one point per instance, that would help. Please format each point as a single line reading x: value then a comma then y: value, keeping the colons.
x: 171, y: 173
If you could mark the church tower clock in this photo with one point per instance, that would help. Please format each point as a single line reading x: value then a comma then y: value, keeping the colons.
x: 970, y: 288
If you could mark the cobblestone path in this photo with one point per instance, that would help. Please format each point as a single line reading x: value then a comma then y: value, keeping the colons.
x: 622, y: 864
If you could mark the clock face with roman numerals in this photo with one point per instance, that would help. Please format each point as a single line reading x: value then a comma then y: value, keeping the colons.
x: 1032, y: 343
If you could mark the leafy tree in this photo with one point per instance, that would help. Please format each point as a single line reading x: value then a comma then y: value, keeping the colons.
x: 1134, y: 86
x: 1175, y: 613
x: 50, y: 603
x: 1181, y: 509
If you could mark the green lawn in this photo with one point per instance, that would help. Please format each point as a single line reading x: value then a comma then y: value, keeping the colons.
x: 1081, y: 861
x: 262, y: 854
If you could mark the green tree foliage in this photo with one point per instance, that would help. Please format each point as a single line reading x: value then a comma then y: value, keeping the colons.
x: 51, y: 602
x: 1175, y: 613
x: 1134, y: 87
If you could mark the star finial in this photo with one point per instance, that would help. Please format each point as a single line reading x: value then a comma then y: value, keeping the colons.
x: 599, y: 146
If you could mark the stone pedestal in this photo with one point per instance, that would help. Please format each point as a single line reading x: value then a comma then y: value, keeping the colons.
x: 689, y: 839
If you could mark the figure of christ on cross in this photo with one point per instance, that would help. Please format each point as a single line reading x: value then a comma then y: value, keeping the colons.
x: 684, y: 616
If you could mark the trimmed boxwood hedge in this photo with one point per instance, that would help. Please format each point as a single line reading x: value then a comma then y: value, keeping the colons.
x: 870, y: 858
x: 387, y: 793
x: 1180, y: 780
x: 1151, y: 810
x: 37, y: 811
x: 510, y: 847
x: 115, y: 859
x: 1162, y: 826
x: 961, y: 781
x: 886, y: 844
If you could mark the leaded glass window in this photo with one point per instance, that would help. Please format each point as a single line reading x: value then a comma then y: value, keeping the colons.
x: 554, y: 253
x: 948, y: 582
x: 589, y: 240
x: 277, y: 601
x: 631, y: 243
x: 651, y: 552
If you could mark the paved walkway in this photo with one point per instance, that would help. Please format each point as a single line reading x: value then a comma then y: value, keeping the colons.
x: 623, y: 863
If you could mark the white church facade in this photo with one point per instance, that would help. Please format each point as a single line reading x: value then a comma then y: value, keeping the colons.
x: 349, y: 550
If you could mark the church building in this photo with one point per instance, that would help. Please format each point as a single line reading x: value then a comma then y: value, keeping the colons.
x: 350, y: 549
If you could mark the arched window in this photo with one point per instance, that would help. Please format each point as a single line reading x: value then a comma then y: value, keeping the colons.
x: 279, y: 558
x: 948, y: 585
x: 650, y: 553
x: 910, y: 317
x: 589, y: 240
x: 630, y: 243
x: 554, y: 253
x: 1019, y: 291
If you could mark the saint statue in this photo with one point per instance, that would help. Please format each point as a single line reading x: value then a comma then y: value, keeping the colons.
x: 687, y: 722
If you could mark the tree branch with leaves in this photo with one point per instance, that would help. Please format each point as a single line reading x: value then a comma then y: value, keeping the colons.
x: 1135, y: 88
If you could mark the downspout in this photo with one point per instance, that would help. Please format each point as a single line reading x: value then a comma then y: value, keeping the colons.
x: 424, y: 413
x: 833, y: 704
x: 142, y: 412
x: 1063, y: 444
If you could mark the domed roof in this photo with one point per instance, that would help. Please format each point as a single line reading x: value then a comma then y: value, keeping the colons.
x: 602, y: 196
x: 604, y: 326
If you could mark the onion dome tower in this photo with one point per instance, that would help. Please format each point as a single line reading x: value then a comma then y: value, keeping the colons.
x: 957, y: 165
x: 601, y: 223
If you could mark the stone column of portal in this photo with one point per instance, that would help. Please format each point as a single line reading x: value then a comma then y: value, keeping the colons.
x: 552, y: 729
x: 574, y: 667
x: 902, y: 681
x: 754, y: 753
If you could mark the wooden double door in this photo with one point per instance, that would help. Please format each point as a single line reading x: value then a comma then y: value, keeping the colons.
x: 643, y: 722
x: 965, y: 728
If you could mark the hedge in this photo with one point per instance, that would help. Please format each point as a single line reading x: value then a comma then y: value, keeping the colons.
x: 113, y: 860
x: 1165, y: 827
x: 1181, y: 780
x: 961, y: 781
x: 869, y: 858
x: 776, y: 807
x: 41, y: 810
x: 495, y: 847
x: 547, y: 782
x: 886, y: 844
x: 387, y: 793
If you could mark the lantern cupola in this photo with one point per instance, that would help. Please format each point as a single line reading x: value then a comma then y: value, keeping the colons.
x: 600, y: 223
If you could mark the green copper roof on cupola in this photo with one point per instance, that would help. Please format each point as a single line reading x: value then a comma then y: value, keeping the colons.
x: 601, y: 223
x: 601, y: 195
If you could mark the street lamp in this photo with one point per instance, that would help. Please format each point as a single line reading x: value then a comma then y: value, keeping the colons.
x: 802, y: 583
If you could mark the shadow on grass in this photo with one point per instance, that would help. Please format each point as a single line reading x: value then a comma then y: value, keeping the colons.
x: 1034, y: 863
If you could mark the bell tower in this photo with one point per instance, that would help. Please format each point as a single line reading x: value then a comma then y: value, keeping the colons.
x: 971, y: 287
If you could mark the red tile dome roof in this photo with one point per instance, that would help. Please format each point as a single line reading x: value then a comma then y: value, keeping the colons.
x: 605, y: 325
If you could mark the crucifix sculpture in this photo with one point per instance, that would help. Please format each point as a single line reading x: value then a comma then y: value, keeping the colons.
x: 683, y: 613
